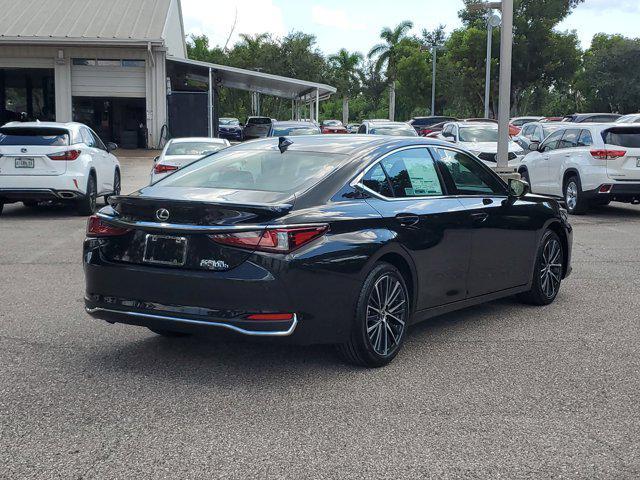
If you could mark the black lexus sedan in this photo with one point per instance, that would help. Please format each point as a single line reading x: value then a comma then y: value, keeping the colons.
x: 346, y: 240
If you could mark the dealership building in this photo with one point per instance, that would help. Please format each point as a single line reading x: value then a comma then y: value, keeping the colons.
x: 121, y: 67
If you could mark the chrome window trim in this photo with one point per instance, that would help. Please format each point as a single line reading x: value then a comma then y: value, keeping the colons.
x: 357, y: 181
x: 255, y: 333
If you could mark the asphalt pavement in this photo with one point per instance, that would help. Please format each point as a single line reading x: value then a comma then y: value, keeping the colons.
x: 497, y: 391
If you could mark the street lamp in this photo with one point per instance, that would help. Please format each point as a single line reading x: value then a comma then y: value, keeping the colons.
x: 504, y: 89
x: 492, y: 22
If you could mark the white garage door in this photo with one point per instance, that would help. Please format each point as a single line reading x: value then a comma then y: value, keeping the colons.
x: 107, y: 78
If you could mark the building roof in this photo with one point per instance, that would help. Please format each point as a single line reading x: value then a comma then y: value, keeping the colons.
x: 112, y: 21
x: 266, y: 83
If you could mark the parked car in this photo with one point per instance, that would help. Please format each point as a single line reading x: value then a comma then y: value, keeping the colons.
x: 586, y: 165
x: 353, y: 127
x: 521, y: 121
x: 378, y: 127
x: 332, y: 126
x: 631, y: 118
x: 257, y: 127
x: 423, y: 124
x: 231, y: 129
x: 551, y: 119
x: 513, y: 130
x: 61, y: 162
x: 535, y: 132
x: 481, y: 139
x: 335, y: 242
x: 591, y: 117
x: 180, y: 152
x: 279, y: 129
x: 434, y: 130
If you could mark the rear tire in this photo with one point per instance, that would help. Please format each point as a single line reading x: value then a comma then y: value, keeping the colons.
x: 87, y: 204
x: 1, y: 207
x: 547, y: 273
x: 117, y: 186
x: 574, y: 197
x: 525, y: 176
x: 381, y: 319
x: 168, y: 333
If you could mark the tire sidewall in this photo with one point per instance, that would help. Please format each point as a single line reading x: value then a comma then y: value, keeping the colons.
x: 580, y: 207
x: 537, y: 282
x: 360, y: 323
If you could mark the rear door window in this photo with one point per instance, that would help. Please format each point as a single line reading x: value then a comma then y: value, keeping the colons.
x: 376, y: 179
x: 469, y: 176
x: 569, y: 139
x: 412, y: 173
x: 88, y: 138
x: 585, y: 139
x: 622, y: 137
x: 551, y: 143
x: 34, y: 136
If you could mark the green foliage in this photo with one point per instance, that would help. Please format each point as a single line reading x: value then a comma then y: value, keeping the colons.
x: 550, y: 74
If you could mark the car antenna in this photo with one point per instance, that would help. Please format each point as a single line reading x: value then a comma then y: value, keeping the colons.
x: 283, y: 144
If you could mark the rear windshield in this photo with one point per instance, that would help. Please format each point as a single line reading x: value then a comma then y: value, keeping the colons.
x: 259, y: 121
x: 310, y: 130
x: 394, y: 131
x: 622, y: 137
x: 34, y: 136
x: 260, y: 170
x: 229, y: 121
x: 193, y: 148
x: 478, y: 134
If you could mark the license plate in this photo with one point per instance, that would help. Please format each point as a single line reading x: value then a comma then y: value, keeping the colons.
x: 638, y: 162
x: 165, y: 250
x: 25, y: 162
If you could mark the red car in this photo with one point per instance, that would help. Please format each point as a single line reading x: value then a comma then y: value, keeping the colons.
x: 333, y: 126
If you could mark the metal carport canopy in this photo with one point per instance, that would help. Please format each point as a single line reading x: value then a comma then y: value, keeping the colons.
x: 266, y: 83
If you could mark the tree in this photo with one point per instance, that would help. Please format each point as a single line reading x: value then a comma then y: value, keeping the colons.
x: 345, y: 77
x: 389, y: 54
x: 611, y: 77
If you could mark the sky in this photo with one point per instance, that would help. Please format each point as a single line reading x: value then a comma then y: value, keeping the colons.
x: 356, y: 24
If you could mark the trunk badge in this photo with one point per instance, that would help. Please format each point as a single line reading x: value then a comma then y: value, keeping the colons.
x: 162, y: 214
x: 214, y: 264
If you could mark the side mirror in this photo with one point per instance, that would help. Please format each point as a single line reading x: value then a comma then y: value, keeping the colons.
x: 111, y: 146
x: 518, y: 188
x: 534, y: 147
x: 155, y: 159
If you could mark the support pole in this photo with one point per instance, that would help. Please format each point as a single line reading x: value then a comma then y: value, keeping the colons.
x: 210, y: 105
x: 504, y: 104
x: 317, y: 105
x: 487, y: 80
x: 434, y: 54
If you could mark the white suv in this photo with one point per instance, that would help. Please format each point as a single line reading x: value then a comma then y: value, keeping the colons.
x: 62, y: 162
x: 586, y: 164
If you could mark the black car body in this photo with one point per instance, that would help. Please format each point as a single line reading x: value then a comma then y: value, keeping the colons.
x: 451, y: 246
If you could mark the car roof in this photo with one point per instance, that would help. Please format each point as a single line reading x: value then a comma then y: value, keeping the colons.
x: 67, y: 125
x: 345, y: 144
x: 197, y: 139
x: 475, y: 124
x: 294, y: 123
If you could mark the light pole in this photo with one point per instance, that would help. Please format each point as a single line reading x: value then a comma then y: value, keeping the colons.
x: 504, y: 89
x: 492, y: 22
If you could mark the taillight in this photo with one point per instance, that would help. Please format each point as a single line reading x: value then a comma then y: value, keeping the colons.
x: 273, y: 317
x: 97, y: 228
x: 606, y: 188
x: 424, y: 132
x: 277, y: 240
x: 67, y: 155
x: 162, y: 168
x: 605, y: 154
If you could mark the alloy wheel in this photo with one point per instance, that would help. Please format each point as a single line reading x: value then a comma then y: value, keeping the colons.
x: 571, y: 196
x: 93, y: 200
x: 551, y: 268
x: 386, y: 315
x: 116, y: 184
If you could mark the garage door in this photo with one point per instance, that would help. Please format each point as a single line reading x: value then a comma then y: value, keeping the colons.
x: 107, y: 78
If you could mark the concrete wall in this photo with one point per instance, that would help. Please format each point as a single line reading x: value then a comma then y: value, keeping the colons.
x: 154, y: 89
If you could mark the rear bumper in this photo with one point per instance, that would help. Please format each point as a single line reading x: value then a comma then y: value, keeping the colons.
x: 234, y: 135
x: 216, y: 302
x: 616, y: 192
x: 37, y: 195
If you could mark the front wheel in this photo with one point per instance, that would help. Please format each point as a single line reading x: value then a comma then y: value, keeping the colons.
x: 547, y: 275
x: 574, y: 197
x: 381, y: 319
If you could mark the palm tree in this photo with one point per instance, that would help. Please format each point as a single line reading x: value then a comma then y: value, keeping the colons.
x: 346, y: 77
x: 389, y: 53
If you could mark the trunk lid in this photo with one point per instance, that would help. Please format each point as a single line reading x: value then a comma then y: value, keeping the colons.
x: 187, y: 223
x: 627, y: 139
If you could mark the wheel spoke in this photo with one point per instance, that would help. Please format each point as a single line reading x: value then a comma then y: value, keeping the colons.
x: 393, y: 336
x: 396, y: 306
x: 401, y: 322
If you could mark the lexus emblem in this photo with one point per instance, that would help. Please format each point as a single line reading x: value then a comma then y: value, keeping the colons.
x: 23, y: 150
x: 162, y: 214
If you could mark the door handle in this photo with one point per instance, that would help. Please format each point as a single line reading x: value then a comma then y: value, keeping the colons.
x: 407, y: 219
x: 487, y: 201
x: 479, y: 216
